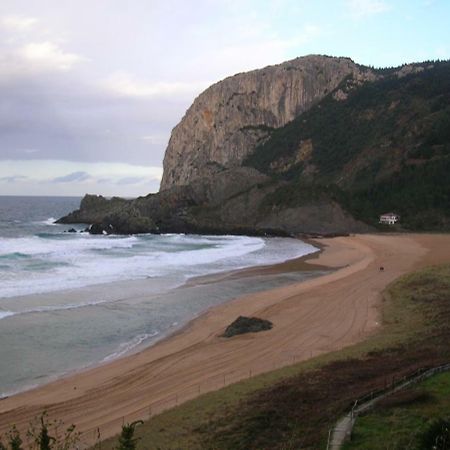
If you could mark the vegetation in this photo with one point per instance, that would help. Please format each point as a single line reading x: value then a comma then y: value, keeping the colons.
x: 294, y: 407
x: 416, y: 419
x: 127, y: 441
x: 43, y: 434
x: 39, y: 437
x: 386, y: 147
x: 437, y: 435
x: 247, y: 325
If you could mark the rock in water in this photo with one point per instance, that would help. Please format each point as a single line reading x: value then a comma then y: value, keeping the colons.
x: 247, y: 325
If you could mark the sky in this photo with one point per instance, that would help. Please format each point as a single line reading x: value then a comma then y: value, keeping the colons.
x: 91, y: 89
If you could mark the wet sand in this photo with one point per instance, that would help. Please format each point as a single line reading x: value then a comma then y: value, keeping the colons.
x: 310, y: 318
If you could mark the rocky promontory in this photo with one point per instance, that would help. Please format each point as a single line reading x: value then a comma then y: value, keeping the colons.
x: 317, y: 145
x: 227, y: 121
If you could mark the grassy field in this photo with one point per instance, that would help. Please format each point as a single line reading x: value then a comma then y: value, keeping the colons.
x: 294, y: 407
x: 400, y: 420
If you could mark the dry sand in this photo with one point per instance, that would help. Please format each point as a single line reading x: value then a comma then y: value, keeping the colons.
x: 313, y: 317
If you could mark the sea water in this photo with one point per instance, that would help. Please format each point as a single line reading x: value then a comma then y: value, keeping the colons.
x: 69, y: 300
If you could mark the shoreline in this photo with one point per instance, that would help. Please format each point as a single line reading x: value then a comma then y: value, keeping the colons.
x: 300, y: 263
x: 208, y: 283
x: 310, y: 318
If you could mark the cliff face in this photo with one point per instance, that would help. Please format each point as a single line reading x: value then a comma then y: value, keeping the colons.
x: 316, y: 145
x: 228, y: 120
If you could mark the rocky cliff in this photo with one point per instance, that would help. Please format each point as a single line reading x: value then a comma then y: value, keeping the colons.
x: 317, y: 145
x: 228, y: 120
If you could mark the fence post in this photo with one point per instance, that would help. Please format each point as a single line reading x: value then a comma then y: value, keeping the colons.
x: 329, y: 438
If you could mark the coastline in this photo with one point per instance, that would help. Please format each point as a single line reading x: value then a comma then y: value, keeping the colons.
x: 201, y: 292
x: 301, y: 263
x: 310, y: 318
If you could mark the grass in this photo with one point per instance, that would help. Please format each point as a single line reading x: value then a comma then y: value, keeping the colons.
x: 402, y: 418
x: 294, y: 407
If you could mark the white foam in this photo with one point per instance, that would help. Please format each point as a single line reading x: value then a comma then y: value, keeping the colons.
x: 17, y: 391
x: 36, y: 245
x: 48, y: 308
x: 74, y: 261
x: 229, y: 248
x: 4, y: 314
x: 127, y: 347
x: 50, y: 221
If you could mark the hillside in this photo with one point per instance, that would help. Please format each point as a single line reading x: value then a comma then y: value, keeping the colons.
x: 382, y: 146
x: 229, y: 119
x: 294, y: 408
x: 316, y: 145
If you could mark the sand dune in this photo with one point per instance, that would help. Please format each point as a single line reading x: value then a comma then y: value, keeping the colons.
x: 316, y: 316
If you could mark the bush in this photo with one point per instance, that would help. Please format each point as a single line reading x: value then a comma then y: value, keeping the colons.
x: 127, y: 441
x: 436, y: 436
x: 39, y: 437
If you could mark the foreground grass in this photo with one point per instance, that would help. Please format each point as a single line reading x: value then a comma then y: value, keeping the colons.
x: 294, y: 407
x: 400, y: 419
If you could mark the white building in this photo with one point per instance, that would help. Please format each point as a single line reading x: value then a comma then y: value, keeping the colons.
x: 389, y: 218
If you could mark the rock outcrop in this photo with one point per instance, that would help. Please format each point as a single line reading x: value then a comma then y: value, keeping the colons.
x: 93, y: 209
x: 317, y: 145
x: 228, y: 120
x: 244, y: 325
x: 233, y: 203
x: 204, y: 187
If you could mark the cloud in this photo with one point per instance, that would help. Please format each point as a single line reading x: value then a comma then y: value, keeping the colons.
x: 13, y: 178
x: 28, y: 47
x: 72, y: 177
x: 155, y: 139
x: 442, y: 52
x: 259, y: 50
x: 126, y: 84
x: 306, y: 35
x: 17, y: 23
x: 29, y: 151
x: 58, y: 177
x: 49, y: 55
x: 132, y: 180
x: 360, y: 9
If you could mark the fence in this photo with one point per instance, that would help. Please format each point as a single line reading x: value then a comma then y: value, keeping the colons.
x: 89, y: 437
x: 343, y: 428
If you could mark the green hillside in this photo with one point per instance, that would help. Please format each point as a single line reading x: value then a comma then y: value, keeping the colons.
x: 374, y: 147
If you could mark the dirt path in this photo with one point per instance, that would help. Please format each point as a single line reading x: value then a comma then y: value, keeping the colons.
x: 320, y: 315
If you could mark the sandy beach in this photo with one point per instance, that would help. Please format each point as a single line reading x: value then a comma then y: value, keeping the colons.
x: 310, y: 318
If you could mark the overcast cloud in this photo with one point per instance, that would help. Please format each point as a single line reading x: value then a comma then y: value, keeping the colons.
x: 86, y: 85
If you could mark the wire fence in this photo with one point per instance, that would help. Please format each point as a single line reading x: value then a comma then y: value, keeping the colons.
x: 156, y: 406
x: 344, y: 426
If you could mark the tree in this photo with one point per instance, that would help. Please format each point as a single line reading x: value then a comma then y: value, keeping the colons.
x: 127, y: 441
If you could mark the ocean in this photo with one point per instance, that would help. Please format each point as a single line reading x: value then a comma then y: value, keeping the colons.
x: 70, y: 300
